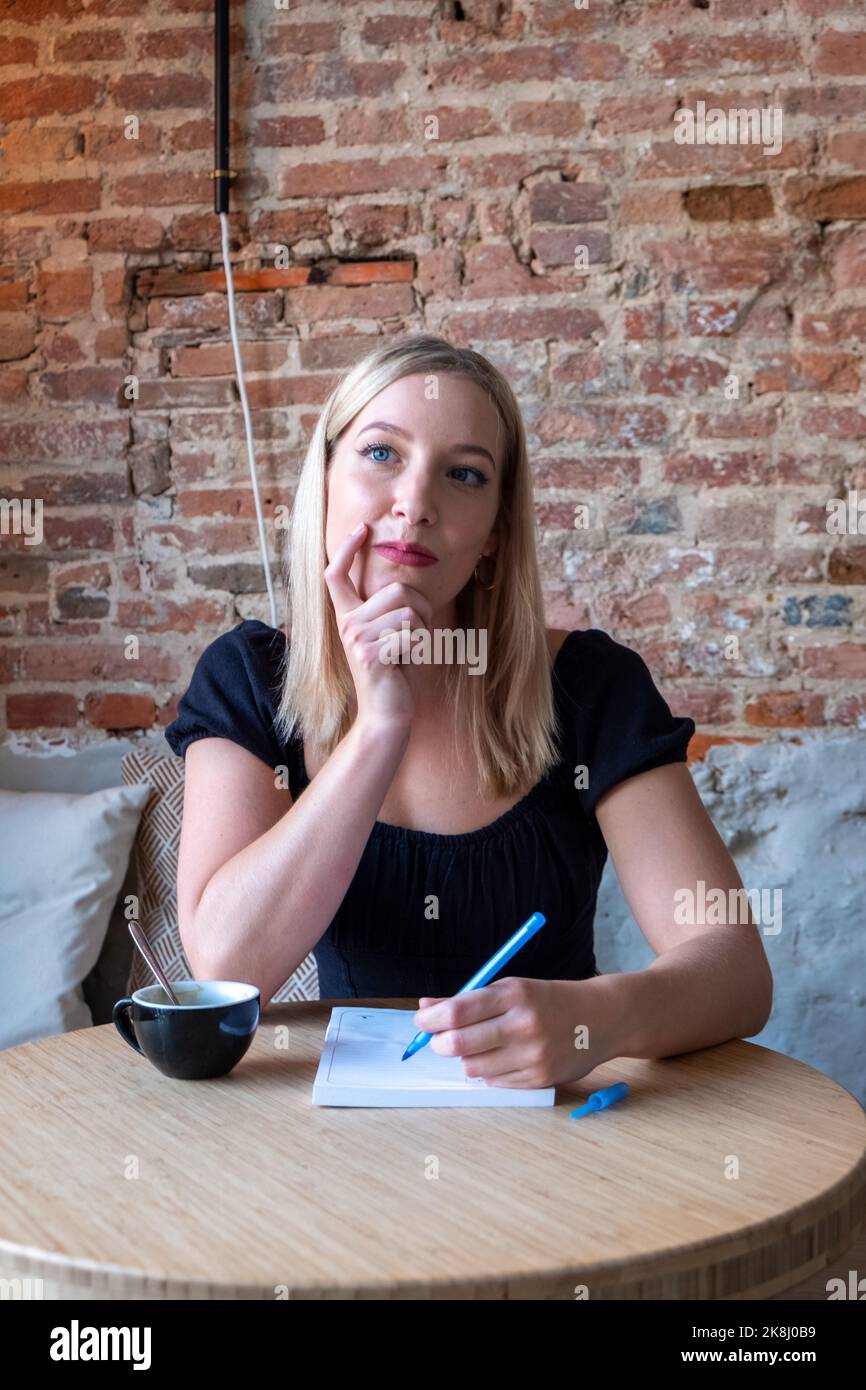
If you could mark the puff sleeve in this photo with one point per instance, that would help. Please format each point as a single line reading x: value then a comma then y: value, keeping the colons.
x: 233, y: 693
x: 622, y: 724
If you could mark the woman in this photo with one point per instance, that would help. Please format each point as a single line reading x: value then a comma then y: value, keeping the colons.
x: 433, y: 804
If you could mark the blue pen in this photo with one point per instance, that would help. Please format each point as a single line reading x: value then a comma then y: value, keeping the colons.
x: 600, y: 1100
x: 486, y: 973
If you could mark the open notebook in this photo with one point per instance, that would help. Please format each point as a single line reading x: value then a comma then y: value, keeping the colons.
x: 361, y: 1065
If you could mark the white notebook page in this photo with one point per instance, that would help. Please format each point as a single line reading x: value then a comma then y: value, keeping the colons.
x: 361, y: 1063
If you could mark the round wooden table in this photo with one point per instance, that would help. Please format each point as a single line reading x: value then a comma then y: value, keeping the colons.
x: 727, y: 1173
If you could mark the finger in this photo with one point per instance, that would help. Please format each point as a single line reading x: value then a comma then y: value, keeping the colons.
x: 462, y: 1009
x: 341, y: 588
x: 384, y: 603
x: 518, y: 1079
x: 398, y: 593
x: 492, y: 1035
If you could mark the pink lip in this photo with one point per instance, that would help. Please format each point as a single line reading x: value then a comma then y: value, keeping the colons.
x: 405, y: 555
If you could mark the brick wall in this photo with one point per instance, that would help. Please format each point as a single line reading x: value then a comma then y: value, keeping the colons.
x: 693, y: 390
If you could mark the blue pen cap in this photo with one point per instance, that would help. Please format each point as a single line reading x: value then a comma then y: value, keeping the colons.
x: 600, y: 1100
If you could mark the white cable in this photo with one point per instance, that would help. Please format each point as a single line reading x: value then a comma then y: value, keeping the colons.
x: 230, y: 295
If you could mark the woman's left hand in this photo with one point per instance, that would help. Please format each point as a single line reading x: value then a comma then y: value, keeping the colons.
x: 523, y: 1032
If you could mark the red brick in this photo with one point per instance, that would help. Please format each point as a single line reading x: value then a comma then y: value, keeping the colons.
x: 69, y: 438
x: 744, y: 51
x: 281, y: 131
x: 847, y: 566
x: 13, y: 385
x: 326, y: 79
x: 383, y: 30
x: 284, y: 227
x: 833, y: 424
x: 47, y: 95
x: 739, y: 260
x: 571, y: 203
x: 623, y: 115
x: 112, y: 343
x: 109, y: 145
x: 752, y: 469
x: 18, y: 50
x: 836, y: 663
x: 9, y: 662
x: 654, y: 205
x: 218, y: 359
x: 841, y: 53
x: 99, y: 384
x: 61, y: 196
x: 835, y: 326
x: 47, y: 710
x: 185, y: 394
x: 64, y: 294
x: 682, y: 375
x: 138, y: 91
x: 646, y: 322
x: 611, y: 427
x: 125, y: 234
x: 633, y: 610
x: 522, y: 324
x: 168, y: 615
x: 78, y: 487
x: 341, y: 177
x: 36, y: 11
x: 162, y: 190
x: 116, y: 288
x: 786, y: 709
x: 848, y: 147
x: 17, y: 337
x: 235, y: 502
x: 291, y: 39
x: 666, y: 160
x: 90, y: 46
x: 13, y: 295
x: 565, y: 118
x: 705, y: 704
x: 596, y: 472
x: 274, y: 392
x: 741, y: 521
x: 700, y: 744
x: 556, y: 248
x: 201, y: 312
x: 737, y: 422
x: 313, y: 303
x: 848, y: 259
x: 59, y: 662
x: 809, y: 371
x: 828, y: 199
x: 729, y: 203
x: 118, y: 710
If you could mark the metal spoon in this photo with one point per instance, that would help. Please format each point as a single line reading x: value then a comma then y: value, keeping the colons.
x: 141, y: 942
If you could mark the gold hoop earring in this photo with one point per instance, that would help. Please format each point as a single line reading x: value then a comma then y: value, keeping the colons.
x: 486, y: 587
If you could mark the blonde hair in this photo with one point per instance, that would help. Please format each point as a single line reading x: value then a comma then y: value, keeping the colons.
x: 509, y: 710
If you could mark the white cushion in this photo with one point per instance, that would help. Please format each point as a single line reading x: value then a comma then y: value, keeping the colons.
x: 63, y: 858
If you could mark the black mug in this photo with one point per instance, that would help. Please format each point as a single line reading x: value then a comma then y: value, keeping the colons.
x: 204, y: 1035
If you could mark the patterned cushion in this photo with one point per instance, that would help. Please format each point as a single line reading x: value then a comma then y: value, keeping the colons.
x: 155, y: 852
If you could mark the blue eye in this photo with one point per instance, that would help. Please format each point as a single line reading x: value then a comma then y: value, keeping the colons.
x: 480, y: 476
x: 369, y: 449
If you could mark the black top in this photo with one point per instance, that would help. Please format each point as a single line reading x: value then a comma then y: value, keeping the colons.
x: 424, y: 911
